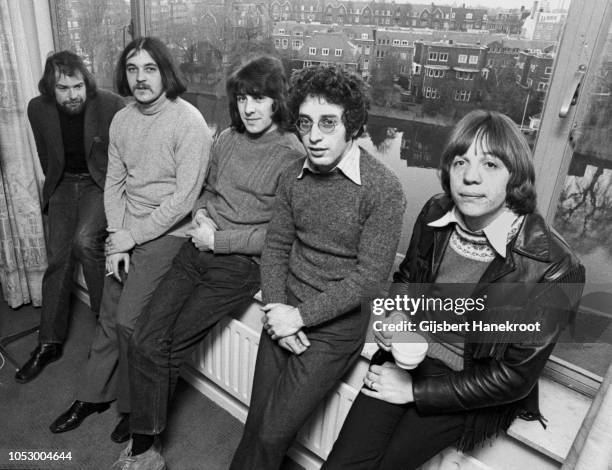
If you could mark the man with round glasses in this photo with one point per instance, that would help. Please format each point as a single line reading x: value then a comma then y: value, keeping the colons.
x: 333, y: 237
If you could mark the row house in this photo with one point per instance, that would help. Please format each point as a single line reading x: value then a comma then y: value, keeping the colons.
x: 533, y: 70
x: 329, y: 48
x: 380, y: 13
x: 446, y: 70
x: 545, y: 26
x: 363, y: 38
x: 290, y: 35
x: 399, y: 44
x: 508, y: 23
x: 504, y: 52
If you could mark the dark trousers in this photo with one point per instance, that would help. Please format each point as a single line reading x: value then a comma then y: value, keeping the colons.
x: 377, y: 435
x: 199, y: 289
x: 287, y: 388
x: 77, y: 229
x: 106, y: 373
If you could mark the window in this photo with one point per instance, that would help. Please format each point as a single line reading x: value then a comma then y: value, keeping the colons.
x: 435, y: 73
x: 416, y: 148
x: 281, y: 31
x: 405, y: 42
x: 312, y: 51
x: 473, y: 59
x: 529, y: 82
x: 396, y: 42
x: 432, y: 93
x: 297, y: 44
x: 338, y: 52
x: 364, y: 35
x: 465, y: 75
x: 433, y: 56
x: 325, y: 51
x: 443, y: 57
x: 285, y: 43
x: 462, y: 95
x: 277, y: 43
x: 367, y: 50
x: 533, y: 67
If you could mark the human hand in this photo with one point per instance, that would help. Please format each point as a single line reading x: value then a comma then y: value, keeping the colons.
x: 297, y: 343
x: 112, y: 264
x: 203, y: 236
x: 389, y: 383
x: 118, y: 241
x: 281, y: 320
x: 201, y: 217
x: 384, y: 338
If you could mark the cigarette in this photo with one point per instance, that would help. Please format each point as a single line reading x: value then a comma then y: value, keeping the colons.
x: 110, y: 273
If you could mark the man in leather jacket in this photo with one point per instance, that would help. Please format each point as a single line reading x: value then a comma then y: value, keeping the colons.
x: 463, y: 395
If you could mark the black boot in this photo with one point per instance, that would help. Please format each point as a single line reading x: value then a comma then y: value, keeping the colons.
x: 44, y: 354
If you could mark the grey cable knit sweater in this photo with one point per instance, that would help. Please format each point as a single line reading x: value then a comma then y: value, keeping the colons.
x: 331, y: 240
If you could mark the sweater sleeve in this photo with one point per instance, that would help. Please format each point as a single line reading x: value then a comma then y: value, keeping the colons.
x: 41, y: 147
x: 212, y: 173
x: 191, y: 151
x: 114, y: 186
x: 250, y: 241
x: 279, y: 241
x: 376, y: 253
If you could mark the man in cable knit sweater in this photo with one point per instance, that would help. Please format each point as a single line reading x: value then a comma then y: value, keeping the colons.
x: 158, y: 152
x: 333, y: 237
x: 217, y: 271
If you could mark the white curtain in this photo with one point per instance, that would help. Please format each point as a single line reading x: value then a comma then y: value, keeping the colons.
x: 22, y: 243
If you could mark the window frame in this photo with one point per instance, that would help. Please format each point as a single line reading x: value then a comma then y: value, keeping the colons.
x: 584, y: 31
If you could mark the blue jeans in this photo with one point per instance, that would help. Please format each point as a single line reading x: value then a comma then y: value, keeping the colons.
x: 77, y: 229
x: 199, y: 289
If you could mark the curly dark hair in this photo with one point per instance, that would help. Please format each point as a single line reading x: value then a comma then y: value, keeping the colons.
x: 69, y: 64
x: 261, y: 76
x: 336, y: 86
x: 503, y: 139
x: 172, y: 80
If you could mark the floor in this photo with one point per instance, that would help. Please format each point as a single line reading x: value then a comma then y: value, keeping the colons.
x: 200, y: 434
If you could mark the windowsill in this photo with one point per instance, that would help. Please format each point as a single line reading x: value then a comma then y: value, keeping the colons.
x: 563, y: 408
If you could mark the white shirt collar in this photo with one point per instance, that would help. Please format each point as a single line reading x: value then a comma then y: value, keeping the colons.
x: 496, y: 232
x: 349, y: 165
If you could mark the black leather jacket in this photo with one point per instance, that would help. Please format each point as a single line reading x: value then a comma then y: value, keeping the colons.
x: 499, y: 380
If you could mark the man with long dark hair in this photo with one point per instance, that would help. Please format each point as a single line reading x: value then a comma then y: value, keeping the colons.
x: 217, y: 272
x: 158, y: 152
x: 70, y: 121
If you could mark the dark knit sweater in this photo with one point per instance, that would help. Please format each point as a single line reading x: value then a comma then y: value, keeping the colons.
x: 331, y: 240
x: 240, y: 186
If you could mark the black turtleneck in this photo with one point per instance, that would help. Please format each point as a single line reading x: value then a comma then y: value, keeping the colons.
x: 72, y: 126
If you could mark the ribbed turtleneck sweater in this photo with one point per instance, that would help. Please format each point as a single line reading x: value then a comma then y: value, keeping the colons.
x: 157, y: 158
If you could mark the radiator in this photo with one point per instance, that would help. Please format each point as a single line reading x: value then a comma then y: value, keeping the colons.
x: 227, y: 359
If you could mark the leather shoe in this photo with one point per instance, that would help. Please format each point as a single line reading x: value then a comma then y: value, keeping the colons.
x: 74, y: 416
x: 121, y: 433
x: 44, y: 354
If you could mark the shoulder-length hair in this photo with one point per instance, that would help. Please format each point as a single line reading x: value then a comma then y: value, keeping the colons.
x: 69, y: 64
x: 503, y: 139
x: 261, y: 76
x: 170, y: 74
x: 336, y: 86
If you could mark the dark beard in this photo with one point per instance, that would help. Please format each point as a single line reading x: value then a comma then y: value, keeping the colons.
x: 72, y: 110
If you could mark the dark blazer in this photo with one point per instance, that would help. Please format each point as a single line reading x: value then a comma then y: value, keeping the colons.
x: 542, y: 281
x: 44, y: 119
